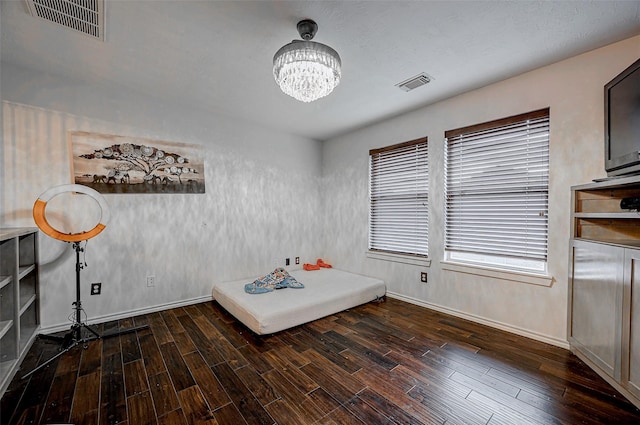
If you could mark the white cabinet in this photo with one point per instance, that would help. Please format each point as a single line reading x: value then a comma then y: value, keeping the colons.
x: 631, y: 316
x: 596, y: 316
x: 604, y: 283
x: 19, y: 303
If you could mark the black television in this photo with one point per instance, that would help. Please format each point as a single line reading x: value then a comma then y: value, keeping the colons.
x: 622, y: 123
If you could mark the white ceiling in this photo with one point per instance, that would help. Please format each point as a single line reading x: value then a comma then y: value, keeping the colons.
x: 218, y: 54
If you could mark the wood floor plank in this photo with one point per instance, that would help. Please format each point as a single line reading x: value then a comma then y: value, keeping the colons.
x: 343, y: 416
x: 113, y: 405
x: 111, y: 344
x: 200, y: 340
x: 366, y: 353
x: 153, y: 362
x: 331, y: 383
x: 140, y: 409
x: 366, y: 413
x: 135, y: 378
x: 175, y: 417
x: 91, y: 358
x: 501, y: 414
x: 302, y: 382
x: 329, y: 350
x: 233, y: 331
x: 178, y: 370
x: 229, y: 415
x: 211, y: 388
x: 513, y: 404
x: 184, y: 343
x: 346, y: 379
x: 231, y: 355
x: 195, y: 407
x: 391, y: 410
x: 70, y: 362
x: 284, y: 414
x: 86, y: 399
x: 160, y: 329
x: 257, y: 385
x: 30, y: 415
x: 37, y: 389
x: 291, y: 355
x: 58, y: 405
x: 379, y: 363
x: 394, y: 388
x: 16, y: 388
x: 241, y: 396
x: 172, y: 322
x: 255, y: 358
x: 130, y: 346
x: 323, y: 400
x: 453, y: 409
x: 294, y: 397
x: 164, y: 395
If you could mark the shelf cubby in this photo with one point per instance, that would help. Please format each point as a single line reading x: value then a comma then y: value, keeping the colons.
x: 19, y: 303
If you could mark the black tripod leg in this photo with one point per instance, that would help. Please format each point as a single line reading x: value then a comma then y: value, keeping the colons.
x: 96, y: 334
x: 124, y: 331
x: 54, y: 338
x: 49, y: 361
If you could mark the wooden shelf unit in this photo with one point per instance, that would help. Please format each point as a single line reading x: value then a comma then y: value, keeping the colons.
x: 19, y: 298
x: 604, y: 282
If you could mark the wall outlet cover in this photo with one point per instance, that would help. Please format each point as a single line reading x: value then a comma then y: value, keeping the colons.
x: 96, y: 288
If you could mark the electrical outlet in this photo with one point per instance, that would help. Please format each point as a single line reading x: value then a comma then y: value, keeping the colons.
x: 151, y: 281
x: 297, y: 260
x: 423, y: 277
x: 96, y: 288
x: 286, y: 261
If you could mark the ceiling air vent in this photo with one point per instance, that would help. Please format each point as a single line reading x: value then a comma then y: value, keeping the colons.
x: 85, y: 16
x: 415, y: 82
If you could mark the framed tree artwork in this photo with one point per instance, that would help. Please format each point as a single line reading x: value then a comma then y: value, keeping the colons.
x: 123, y: 164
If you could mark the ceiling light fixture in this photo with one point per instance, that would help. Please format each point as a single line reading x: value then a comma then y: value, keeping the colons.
x: 304, y: 69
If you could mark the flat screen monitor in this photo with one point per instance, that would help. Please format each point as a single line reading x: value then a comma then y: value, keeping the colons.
x: 622, y: 122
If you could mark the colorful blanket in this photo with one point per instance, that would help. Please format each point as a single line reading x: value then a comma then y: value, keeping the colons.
x: 277, y: 279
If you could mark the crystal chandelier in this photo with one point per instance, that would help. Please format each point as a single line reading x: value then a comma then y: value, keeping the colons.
x: 304, y: 69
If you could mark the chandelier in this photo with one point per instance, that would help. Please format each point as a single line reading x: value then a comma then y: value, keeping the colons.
x: 304, y: 69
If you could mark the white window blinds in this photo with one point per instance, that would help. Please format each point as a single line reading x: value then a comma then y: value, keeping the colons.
x: 497, y: 184
x: 399, y: 186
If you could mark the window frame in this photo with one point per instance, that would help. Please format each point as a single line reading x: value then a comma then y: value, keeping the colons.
x: 420, y: 195
x: 457, y: 252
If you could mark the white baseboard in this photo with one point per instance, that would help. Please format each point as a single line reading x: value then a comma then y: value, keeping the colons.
x: 131, y: 313
x: 482, y: 320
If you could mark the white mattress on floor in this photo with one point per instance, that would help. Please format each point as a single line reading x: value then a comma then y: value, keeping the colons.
x: 325, y: 292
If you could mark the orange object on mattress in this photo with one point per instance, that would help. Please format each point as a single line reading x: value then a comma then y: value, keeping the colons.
x: 309, y: 267
x: 321, y: 263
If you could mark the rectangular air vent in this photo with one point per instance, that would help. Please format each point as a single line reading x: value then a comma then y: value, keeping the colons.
x: 415, y: 82
x: 85, y: 16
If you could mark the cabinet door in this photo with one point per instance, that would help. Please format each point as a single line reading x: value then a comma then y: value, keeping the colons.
x: 596, y: 304
x: 631, y: 336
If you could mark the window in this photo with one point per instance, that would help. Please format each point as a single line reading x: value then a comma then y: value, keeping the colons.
x: 399, y: 186
x: 497, y: 186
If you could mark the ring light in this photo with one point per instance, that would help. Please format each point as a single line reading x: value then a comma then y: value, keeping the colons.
x: 75, y: 335
x: 41, y: 220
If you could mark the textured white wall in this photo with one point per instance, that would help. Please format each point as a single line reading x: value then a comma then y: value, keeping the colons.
x: 261, y: 202
x: 573, y: 89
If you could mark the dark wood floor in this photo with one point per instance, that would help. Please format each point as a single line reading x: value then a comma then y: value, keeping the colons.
x: 385, y: 363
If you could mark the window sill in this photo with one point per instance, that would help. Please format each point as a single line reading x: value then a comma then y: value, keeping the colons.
x: 399, y: 258
x: 512, y: 275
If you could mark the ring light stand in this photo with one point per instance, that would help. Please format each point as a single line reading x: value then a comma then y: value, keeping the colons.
x: 74, y: 336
